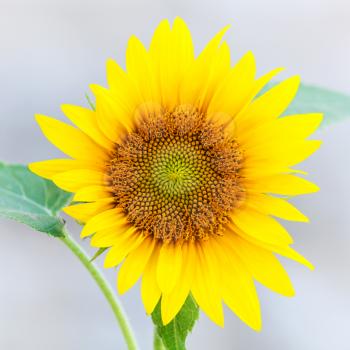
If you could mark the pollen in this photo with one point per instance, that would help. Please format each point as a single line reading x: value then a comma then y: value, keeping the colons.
x: 176, y: 176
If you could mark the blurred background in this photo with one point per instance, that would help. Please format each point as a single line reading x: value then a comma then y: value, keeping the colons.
x: 50, y: 51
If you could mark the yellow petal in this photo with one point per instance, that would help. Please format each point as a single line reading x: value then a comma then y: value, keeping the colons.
x: 160, y: 39
x: 163, y: 64
x: 238, y: 289
x: 169, y: 266
x: 263, y: 80
x: 171, y: 52
x: 172, y: 302
x: 290, y: 253
x: 281, y: 130
x: 262, y: 264
x: 282, y: 153
x: 268, y: 106
x: 122, y: 89
x: 260, y: 226
x: 74, y: 180
x: 182, y: 44
x: 141, y: 71
x: 275, y: 206
x: 112, y: 118
x: 70, y: 140
x: 205, y: 286
x: 48, y: 168
x: 255, y: 169
x: 112, y: 236
x: 218, y: 69
x: 86, y: 120
x: 283, y: 250
x: 240, y: 80
x: 135, y: 264
x: 150, y: 291
x: 205, y: 73
x: 122, y: 246
x: 283, y: 184
x: 92, y: 193
x: 83, y: 212
x: 286, y: 129
x: 257, y: 86
x: 110, y: 218
x: 299, y: 126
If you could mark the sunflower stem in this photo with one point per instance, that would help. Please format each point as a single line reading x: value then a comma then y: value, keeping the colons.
x: 107, y: 291
x: 157, y: 341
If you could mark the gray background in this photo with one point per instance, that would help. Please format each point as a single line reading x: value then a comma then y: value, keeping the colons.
x: 51, y: 51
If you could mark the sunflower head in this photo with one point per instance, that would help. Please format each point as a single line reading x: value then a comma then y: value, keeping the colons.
x: 182, y: 170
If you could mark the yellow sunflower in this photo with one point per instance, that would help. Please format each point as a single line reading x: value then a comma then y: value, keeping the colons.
x: 181, y: 170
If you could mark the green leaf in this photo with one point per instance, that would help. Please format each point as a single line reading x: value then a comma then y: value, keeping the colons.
x: 334, y: 105
x: 174, y: 334
x: 98, y: 253
x: 31, y: 200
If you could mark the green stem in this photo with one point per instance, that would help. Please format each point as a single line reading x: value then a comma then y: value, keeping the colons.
x: 157, y: 343
x: 106, y: 290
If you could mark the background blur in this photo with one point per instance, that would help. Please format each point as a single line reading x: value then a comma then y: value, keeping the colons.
x: 51, y: 50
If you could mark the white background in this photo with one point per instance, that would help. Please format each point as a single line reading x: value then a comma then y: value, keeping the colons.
x: 50, y: 51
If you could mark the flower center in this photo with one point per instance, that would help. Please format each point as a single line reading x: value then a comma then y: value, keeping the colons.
x: 176, y: 176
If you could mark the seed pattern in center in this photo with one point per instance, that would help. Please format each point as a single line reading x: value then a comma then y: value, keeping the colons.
x: 176, y: 176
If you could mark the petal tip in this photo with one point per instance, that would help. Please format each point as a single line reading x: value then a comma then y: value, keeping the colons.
x: 84, y: 232
x: 122, y: 289
x: 67, y: 108
x: 304, y: 218
x: 166, y: 319
x: 32, y: 167
x: 256, y: 323
x: 178, y: 20
x: 40, y: 119
x: 310, y: 266
x: 316, y: 188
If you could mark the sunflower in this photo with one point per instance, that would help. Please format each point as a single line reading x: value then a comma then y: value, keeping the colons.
x: 181, y: 171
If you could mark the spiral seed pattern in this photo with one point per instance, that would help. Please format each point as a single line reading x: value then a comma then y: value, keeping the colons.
x: 176, y: 176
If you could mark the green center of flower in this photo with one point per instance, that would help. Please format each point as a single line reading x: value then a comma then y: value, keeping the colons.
x: 176, y: 176
x: 177, y: 169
